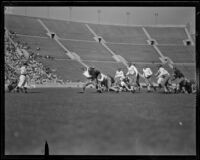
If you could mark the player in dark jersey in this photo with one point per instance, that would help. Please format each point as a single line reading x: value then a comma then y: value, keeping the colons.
x: 180, y: 79
x: 91, y: 74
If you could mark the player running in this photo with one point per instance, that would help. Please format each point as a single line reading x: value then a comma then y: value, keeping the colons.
x: 133, y: 75
x: 147, y: 75
x: 163, y: 78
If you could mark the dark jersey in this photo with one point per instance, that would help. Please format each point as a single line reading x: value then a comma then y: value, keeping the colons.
x: 178, y: 74
x: 187, y: 85
x: 94, y: 73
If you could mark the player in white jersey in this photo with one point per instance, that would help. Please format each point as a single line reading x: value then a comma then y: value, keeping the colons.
x: 147, y: 75
x: 163, y: 78
x: 119, y: 76
x: 133, y: 75
x: 23, y: 84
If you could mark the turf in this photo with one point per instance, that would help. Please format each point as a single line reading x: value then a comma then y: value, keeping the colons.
x: 99, y: 124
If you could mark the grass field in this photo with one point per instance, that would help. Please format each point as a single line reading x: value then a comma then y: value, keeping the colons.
x: 96, y: 124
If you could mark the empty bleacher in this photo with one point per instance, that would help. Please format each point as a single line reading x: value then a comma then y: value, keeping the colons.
x: 24, y: 25
x: 167, y: 35
x: 69, y: 30
x: 47, y: 46
x: 136, y: 53
x: 88, y: 50
x: 179, y: 54
x: 120, y: 34
x: 188, y: 71
x: 69, y: 70
x: 129, y: 42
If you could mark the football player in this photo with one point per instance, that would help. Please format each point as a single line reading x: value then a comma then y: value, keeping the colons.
x: 107, y: 81
x: 163, y: 78
x: 91, y: 74
x: 133, y: 75
x: 147, y: 75
x: 23, y: 79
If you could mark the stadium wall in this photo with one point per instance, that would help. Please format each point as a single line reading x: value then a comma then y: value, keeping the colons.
x: 129, y: 16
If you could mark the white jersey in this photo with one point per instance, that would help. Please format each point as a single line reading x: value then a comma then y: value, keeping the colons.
x: 119, y: 74
x: 132, y: 70
x: 147, y: 72
x: 162, y: 72
x: 103, y: 76
x: 23, y: 70
x: 86, y: 74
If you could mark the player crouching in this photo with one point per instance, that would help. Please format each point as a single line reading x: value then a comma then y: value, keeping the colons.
x: 122, y: 82
x: 126, y: 86
x: 107, y: 82
x: 91, y: 74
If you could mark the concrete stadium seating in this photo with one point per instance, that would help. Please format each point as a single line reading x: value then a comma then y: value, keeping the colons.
x: 47, y: 46
x: 167, y: 35
x: 136, y: 53
x: 69, y: 30
x: 88, y: 50
x: 188, y: 71
x: 24, y: 25
x: 120, y: 34
x: 67, y: 69
x: 181, y: 54
x: 94, y: 54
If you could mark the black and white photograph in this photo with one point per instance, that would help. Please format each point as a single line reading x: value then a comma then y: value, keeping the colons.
x: 100, y: 80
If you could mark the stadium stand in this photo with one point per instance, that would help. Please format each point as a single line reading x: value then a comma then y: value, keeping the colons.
x: 69, y: 70
x: 43, y: 46
x: 56, y: 66
x: 88, y: 50
x: 120, y: 34
x: 38, y: 73
x: 193, y: 37
x: 179, y: 54
x: 68, y: 30
x: 188, y: 71
x: 135, y: 53
x: 167, y: 35
x: 24, y: 25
